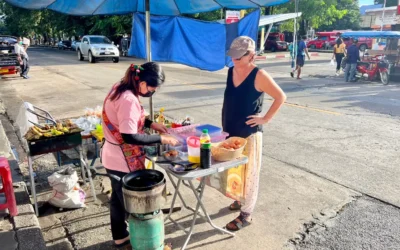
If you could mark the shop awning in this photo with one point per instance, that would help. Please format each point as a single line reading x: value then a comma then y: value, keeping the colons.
x: 157, y: 7
x: 271, y: 19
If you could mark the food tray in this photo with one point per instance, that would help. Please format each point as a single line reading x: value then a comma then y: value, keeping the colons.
x: 54, y: 144
x: 222, y: 154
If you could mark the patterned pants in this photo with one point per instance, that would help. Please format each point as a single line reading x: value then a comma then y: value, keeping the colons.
x: 253, y: 151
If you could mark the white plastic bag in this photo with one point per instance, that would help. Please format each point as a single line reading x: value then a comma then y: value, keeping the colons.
x: 73, y: 199
x: 332, y: 63
x: 64, y: 180
x: 66, y: 190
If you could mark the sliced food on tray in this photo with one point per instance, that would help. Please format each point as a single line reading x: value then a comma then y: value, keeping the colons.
x: 47, y: 130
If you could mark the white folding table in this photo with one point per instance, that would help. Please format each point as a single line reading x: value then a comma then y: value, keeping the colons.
x: 198, y: 191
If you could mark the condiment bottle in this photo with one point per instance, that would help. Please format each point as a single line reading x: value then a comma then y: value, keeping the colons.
x: 205, y: 149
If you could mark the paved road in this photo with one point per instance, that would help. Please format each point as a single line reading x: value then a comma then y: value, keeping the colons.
x: 344, y: 137
x: 364, y: 224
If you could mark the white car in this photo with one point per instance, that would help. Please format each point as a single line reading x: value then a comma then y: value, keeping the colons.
x: 97, y: 48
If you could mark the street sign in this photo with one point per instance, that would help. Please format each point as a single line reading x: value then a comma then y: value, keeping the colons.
x: 232, y: 16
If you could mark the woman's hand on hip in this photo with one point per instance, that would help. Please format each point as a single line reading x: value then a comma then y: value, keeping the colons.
x: 159, y: 128
x: 169, y: 139
x: 255, y: 120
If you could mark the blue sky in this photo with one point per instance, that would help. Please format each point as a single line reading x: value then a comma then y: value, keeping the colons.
x: 366, y: 2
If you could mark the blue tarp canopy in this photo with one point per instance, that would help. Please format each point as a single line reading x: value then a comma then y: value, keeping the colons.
x: 192, y: 42
x: 157, y: 7
x: 371, y: 34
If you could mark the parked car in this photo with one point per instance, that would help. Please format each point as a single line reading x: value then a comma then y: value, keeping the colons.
x: 274, y: 44
x: 97, y: 48
x: 64, y: 45
x: 75, y: 45
x: 322, y: 41
x: 7, y: 40
x: 9, y: 63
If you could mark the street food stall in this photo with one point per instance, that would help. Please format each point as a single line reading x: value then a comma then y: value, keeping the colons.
x: 45, y: 135
x: 182, y: 165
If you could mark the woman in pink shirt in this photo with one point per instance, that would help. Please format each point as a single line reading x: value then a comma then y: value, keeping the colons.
x: 123, y: 125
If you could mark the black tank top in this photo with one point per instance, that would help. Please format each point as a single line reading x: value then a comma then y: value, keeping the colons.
x: 239, y: 103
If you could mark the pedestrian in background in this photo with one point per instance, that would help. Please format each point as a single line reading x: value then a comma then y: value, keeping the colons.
x: 302, y: 51
x: 23, y: 58
x: 339, y: 52
x: 353, y: 56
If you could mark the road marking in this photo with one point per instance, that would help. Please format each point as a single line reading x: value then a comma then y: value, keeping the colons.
x: 309, y: 108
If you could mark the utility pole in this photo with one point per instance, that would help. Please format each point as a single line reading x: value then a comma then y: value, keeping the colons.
x: 383, y: 14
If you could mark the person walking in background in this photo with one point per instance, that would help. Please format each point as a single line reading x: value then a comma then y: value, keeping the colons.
x: 339, y: 51
x: 241, y: 117
x: 302, y: 51
x: 23, y: 58
x: 353, y: 56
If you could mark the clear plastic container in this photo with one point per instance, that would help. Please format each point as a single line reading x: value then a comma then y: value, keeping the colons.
x: 219, y: 138
x: 177, y: 147
x: 193, y: 144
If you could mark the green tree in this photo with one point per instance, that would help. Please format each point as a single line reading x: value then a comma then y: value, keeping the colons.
x: 351, y: 20
x: 315, y: 13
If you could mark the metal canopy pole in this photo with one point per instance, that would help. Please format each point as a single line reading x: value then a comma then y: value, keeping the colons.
x: 148, y: 49
x: 383, y: 14
x: 268, y: 31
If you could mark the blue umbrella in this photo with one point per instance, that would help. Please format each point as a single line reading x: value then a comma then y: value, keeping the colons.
x: 157, y: 7
x: 154, y: 7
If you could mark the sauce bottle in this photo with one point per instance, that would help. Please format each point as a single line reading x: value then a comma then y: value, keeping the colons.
x: 205, y: 149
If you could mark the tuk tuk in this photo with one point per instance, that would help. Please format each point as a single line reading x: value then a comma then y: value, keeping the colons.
x: 382, y: 61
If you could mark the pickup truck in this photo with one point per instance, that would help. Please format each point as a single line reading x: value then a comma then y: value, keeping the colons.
x: 97, y: 48
x: 8, y: 61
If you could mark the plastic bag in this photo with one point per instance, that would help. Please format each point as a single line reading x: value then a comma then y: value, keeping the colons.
x: 332, y: 63
x: 64, y: 180
x: 66, y: 190
x: 73, y: 199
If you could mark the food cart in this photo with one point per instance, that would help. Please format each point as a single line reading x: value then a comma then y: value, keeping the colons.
x: 46, y: 135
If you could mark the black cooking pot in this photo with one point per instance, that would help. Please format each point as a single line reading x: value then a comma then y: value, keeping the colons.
x: 143, y: 180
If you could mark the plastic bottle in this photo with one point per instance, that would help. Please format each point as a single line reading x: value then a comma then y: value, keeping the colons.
x: 205, y: 149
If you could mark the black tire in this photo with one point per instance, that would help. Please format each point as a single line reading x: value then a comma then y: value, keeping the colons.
x: 363, y: 47
x: 273, y: 49
x: 312, y: 46
x: 80, y: 56
x: 92, y: 59
x: 115, y: 59
x: 59, y: 48
x: 384, y: 77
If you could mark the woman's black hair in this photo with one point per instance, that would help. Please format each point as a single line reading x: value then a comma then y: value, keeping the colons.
x: 339, y: 41
x: 150, y: 72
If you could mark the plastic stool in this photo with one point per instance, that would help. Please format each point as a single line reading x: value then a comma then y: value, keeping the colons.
x: 8, y: 190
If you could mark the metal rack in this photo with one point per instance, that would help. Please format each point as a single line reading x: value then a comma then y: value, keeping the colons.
x: 55, y: 145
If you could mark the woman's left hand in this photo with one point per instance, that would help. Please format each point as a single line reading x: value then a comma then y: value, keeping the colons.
x: 256, y: 120
x: 159, y: 128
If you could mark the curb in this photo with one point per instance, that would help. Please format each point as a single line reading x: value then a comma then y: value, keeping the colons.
x: 26, y: 230
x: 281, y: 56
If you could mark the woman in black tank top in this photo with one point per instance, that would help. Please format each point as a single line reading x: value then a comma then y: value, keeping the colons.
x: 241, y: 115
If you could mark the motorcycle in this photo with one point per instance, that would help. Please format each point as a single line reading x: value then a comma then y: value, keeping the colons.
x: 377, y: 67
x: 384, y: 61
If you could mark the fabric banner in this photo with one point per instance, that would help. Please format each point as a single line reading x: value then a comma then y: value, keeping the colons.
x: 192, y: 42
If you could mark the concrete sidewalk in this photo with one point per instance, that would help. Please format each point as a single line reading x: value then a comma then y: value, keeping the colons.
x: 23, y: 231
